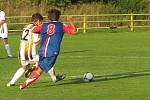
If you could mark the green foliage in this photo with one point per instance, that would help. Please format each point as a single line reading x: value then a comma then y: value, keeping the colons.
x: 28, y: 7
x: 130, y: 6
x: 57, y: 2
x: 37, y: 2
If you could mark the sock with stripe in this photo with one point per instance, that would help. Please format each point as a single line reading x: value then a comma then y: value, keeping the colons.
x: 30, y: 80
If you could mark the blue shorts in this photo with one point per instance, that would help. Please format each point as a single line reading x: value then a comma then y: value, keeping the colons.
x: 47, y: 63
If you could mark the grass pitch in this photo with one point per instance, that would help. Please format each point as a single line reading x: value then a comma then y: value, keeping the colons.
x: 119, y: 60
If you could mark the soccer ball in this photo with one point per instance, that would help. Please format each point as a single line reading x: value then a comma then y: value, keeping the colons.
x: 88, y: 77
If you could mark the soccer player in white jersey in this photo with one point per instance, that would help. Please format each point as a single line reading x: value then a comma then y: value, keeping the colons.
x: 27, y: 50
x: 4, y: 33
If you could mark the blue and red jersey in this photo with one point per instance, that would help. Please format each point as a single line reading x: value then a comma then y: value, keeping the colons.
x: 51, y: 37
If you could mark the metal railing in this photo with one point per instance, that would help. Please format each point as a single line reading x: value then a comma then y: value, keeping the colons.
x: 84, y: 22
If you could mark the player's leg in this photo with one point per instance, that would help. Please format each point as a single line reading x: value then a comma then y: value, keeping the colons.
x: 45, y: 65
x: 48, y: 68
x: 19, y: 73
x: 30, y: 70
x: 34, y: 76
x: 34, y: 67
x: 7, y: 47
x: 5, y: 39
x: 55, y: 77
x: 52, y: 74
x: 31, y: 78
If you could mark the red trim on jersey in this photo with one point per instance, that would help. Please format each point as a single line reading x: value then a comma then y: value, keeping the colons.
x: 66, y: 29
x: 37, y: 29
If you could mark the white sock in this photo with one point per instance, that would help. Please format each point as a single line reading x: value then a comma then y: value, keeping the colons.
x: 51, y: 72
x: 7, y: 47
x: 17, y: 75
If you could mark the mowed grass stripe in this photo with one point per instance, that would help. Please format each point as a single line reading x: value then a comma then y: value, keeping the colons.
x: 119, y: 60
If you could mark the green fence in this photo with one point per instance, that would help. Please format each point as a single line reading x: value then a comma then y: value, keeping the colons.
x: 85, y: 22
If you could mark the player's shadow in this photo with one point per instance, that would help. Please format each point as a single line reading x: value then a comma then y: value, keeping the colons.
x: 97, y: 78
x: 106, y: 77
x: 8, y: 57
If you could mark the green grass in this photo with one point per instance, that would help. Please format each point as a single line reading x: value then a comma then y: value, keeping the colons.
x: 119, y: 60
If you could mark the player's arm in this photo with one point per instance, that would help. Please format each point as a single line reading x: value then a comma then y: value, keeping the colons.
x: 69, y: 28
x: 2, y: 18
x: 37, y: 29
x: 2, y: 21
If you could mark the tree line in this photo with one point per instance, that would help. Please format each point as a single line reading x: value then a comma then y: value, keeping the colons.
x: 27, y: 7
x: 124, y: 6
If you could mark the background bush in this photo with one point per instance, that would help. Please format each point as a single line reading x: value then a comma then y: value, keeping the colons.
x: 27, y: 7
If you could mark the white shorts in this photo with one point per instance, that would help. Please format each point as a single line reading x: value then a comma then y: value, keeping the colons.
x: 3, y: 31
x: 27, y: 62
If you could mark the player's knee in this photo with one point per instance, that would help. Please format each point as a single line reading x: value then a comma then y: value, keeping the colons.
x: 5, y: 41
x: 25, y: 68
x: 39, y: 70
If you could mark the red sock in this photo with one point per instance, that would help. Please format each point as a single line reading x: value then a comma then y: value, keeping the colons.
x: 33, y: 67
x: 30, y: 80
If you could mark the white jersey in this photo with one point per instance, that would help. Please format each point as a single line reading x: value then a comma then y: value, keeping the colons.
x: 29, y: 41
x: 3, y: 26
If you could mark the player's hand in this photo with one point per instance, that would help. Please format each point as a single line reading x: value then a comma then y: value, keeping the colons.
x: 69, y: 18
x: 2, y: 21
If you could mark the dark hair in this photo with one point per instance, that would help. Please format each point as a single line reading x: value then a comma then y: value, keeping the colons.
x: 54, y: 14
x: 37, y: 16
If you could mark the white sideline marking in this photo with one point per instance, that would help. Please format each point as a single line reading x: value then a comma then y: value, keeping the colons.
x: 77, y: 76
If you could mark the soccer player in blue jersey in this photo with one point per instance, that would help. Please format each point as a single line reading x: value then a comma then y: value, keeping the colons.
x: 51, y: 36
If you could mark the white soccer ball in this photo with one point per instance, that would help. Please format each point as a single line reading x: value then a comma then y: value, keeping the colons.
x: 88, y: 77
